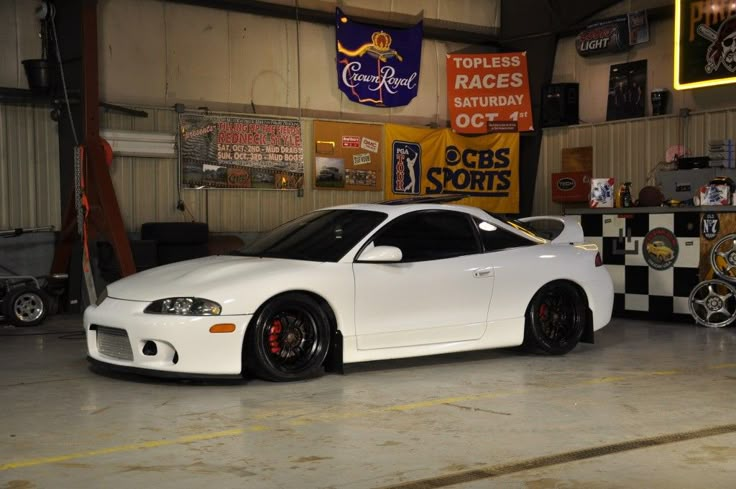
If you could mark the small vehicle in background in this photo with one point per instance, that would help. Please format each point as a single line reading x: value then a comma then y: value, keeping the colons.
x: 26, y: 300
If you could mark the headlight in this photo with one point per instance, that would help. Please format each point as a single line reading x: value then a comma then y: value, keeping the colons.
x: 101, y: 297
x: 184, y: 306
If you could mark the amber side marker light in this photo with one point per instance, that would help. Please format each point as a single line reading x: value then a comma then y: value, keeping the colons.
x: 222, y: 328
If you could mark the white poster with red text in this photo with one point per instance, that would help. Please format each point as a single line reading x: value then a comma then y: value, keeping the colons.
x: 489, y: 93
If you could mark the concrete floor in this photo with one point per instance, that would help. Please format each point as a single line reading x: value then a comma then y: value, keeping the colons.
x: 484, y: 419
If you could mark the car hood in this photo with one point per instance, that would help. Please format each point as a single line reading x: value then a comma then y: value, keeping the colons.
x: 216, y: 278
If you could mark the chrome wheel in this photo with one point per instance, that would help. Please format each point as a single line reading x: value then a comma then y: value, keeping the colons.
x: 26, y: 306
x: 723, y: 258
x: 713, y: 303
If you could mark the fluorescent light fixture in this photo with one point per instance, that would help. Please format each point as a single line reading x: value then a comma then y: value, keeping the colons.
x: 140, y: 143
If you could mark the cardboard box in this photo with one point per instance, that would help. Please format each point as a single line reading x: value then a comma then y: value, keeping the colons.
x: 571, y: 186
x: 602, y: 192
x: 715, y: 195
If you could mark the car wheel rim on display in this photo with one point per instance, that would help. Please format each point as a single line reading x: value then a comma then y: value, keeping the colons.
x: 292, y: 340
x: 555, y: 314
x: 723, y: 258
x: 713, y: 303
x: 28, y: 307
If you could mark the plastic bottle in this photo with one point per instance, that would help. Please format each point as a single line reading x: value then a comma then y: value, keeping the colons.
x: 626, y: 195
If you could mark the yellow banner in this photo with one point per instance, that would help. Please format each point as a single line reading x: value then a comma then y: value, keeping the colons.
x: 438, y: 161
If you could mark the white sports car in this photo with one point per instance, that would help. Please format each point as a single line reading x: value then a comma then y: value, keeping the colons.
x: 355, y: 283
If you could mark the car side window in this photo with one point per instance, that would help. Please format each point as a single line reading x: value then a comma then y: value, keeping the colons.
x: 495, y: 238
x: 430, y: 235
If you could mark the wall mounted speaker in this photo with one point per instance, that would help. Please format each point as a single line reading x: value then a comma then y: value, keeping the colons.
x: 560, y: 104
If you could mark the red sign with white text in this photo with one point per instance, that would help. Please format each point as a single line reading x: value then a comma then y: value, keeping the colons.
x: 484, y: 88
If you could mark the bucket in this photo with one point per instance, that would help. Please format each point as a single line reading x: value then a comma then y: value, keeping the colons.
x: 38, y: 73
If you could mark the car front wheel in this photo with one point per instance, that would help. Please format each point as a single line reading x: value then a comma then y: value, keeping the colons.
x: 555, y: 319
x: 288, y: 339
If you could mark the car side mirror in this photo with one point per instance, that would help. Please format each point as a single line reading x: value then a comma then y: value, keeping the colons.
x: 381, y: 254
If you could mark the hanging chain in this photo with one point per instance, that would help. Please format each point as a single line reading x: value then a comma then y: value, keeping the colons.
x: 78, y: 188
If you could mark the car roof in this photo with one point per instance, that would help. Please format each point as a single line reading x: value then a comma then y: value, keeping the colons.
x: 394, y: 208
x: 397, y: 210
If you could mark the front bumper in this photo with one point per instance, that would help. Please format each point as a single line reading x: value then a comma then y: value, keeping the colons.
x: 118, y: 332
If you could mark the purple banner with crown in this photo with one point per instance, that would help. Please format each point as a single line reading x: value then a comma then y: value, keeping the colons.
x: 377, y: 66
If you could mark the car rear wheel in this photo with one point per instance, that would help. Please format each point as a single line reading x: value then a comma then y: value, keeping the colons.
x: 25, y: 306
x: 288, y: 339
x: 555, y: 319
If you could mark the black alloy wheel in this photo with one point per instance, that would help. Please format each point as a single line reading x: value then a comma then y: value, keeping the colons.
x: 555, y: 319
x: 288, y: 339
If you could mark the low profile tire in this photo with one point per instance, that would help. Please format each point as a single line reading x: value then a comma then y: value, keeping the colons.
x: 555, y: 319
x: 288, y: 339
x: 25, y: 306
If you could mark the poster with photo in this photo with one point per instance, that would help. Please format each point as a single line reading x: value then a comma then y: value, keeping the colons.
x: 219, y: 151
x: 330, y: 172
x: 627, y: 90
x: 348, y: 156
x: 638, y: 27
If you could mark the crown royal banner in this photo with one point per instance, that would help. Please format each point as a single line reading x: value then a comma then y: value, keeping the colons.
x: 377, y: 66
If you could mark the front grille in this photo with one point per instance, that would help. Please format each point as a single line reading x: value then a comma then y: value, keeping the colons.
x: 113, y: 342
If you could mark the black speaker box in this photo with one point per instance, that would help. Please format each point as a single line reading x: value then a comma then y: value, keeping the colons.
x: 560, y: 104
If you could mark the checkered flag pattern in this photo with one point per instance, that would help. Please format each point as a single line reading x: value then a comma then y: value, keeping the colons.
x: 641, y: 290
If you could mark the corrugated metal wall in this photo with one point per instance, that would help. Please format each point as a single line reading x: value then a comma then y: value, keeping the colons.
x: 627, y: 150
x: 29, y: 168
x: 147, y: 187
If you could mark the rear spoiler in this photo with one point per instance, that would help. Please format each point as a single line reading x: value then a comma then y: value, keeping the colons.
x: 558, y: 229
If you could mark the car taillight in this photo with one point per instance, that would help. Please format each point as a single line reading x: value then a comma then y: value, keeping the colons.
x: 598, y: 260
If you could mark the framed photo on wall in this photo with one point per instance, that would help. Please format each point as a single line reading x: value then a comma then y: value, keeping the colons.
x: 627, y: 90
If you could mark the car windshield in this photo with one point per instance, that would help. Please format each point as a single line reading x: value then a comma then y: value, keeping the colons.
x: 318, y: 236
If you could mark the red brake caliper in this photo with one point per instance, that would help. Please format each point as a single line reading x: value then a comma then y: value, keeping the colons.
x: 273, y: 337
x: 543, y: 312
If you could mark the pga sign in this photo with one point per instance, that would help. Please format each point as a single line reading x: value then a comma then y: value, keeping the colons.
x: 488, y: 88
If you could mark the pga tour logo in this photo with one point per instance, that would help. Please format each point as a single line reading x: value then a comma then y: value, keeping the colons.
x: 406, y: 167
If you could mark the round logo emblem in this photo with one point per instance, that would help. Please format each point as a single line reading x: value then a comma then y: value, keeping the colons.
x: 711, y: 225
x: 566, y: 184
x: 660, y: 248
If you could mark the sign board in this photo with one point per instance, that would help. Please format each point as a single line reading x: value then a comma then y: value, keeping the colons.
x: 377, y: 66
x: 425, y: 161
x: 604, y: 37
x: 705, y: 43
x: 486, y: 88
x: 218, y: 151
x: 347, y: 156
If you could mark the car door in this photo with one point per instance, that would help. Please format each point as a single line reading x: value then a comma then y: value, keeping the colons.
x: 439, y: 292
